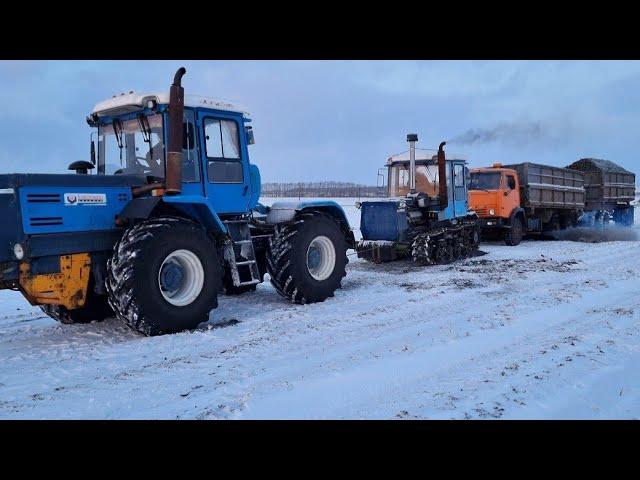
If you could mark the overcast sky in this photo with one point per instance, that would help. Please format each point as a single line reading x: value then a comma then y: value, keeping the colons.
x: 321, y: 120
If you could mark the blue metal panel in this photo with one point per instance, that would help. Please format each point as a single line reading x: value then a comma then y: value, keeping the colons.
x: 226, y: 198
x: 199, y: 208
x: 256, y: 186
x: 59, y: 209
x: 383, y: 221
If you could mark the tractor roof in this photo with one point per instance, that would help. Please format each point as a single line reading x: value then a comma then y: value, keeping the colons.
x: 132, y: 101
x: 422, y: 155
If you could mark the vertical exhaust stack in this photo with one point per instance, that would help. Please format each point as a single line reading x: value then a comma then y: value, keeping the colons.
x: 174, y: 149
x: 412, y: 138
x: 442, y: 177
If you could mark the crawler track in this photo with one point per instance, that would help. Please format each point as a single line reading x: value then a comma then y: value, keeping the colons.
x: 446, y: 245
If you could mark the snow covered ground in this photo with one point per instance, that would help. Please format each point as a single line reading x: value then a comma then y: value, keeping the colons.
x: 548, y: 329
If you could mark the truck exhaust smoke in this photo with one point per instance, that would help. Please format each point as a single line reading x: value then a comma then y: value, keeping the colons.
x: 511, y: 133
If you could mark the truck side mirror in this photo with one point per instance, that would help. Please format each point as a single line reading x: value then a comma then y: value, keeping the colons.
x: 512, y: 183
x: 249, y: 131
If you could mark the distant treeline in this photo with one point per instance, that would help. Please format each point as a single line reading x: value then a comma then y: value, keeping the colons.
x: 321, y: 189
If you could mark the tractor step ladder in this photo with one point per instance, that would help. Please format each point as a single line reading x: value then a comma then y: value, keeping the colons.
x: 243, y: 256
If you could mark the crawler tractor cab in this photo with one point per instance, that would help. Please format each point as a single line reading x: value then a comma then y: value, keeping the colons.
x: 424, y: 218
x: 163, y: 217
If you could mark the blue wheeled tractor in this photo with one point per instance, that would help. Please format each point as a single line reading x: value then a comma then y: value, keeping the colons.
x: 168, y: 218
x: 427, y: 216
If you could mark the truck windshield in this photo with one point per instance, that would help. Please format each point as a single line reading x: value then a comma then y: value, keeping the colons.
x: 485, y: 181
x: 132, y: 147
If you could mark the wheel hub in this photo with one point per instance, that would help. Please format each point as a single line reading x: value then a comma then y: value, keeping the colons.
x: 171, y: 276
x: 321, y: 258
x: 181, y: 278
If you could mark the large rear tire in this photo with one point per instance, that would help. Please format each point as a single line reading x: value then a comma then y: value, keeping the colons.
x: 306, y: 259
x: 164, y: 276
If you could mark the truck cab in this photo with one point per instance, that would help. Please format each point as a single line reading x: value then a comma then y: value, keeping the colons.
x: 494, y: 195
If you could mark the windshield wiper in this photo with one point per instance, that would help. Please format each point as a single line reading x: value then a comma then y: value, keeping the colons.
x: 146, y: 132
x: 117, y: 131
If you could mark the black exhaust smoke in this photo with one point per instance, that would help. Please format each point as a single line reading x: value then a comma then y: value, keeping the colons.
x: 174, y: 149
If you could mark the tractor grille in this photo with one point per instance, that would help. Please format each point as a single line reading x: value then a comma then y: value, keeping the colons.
x: 44, y: 221
x: 43, y: 198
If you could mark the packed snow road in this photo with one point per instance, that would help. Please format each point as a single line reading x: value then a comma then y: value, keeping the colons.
x: 548, y: 329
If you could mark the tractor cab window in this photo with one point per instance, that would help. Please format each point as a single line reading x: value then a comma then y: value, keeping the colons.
x: 223, y: 151
x: 458, y: 175
x: 132, y: 147
x: 485, y: 181
x: 426, y: 179
x: 190, y: 155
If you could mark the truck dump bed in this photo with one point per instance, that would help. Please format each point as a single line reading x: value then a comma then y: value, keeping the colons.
x: 544, y: 186
x: 606, y: 183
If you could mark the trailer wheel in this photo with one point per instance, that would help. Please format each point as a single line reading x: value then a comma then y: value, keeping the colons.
x: 513, y: 236
x: 164, y: 276
x: 96, y: 308
x: 306, y: 259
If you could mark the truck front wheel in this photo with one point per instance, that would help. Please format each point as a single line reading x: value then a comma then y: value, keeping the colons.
x: 164, y: 276
x: 306, y: 259
x: 513, y: 236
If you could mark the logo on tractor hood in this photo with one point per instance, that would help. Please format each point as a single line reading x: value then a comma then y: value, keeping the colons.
x: 71, y: 199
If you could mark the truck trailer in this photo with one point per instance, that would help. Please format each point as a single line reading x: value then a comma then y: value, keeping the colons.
x: 609, y: 191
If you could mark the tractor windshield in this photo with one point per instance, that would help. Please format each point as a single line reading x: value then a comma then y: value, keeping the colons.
x: 426, y: 179
x: 485, y: 181
x: 132, y: 147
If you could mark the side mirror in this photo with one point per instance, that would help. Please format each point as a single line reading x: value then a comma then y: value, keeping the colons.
x: 93, y: 152
x: 380, y: 180
x: 81, y: 167
x: 250, y: 138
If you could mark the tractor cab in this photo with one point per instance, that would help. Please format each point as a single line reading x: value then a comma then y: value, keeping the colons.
x: 131, y: 138
x: 163, y: 217
x: 427, y: 183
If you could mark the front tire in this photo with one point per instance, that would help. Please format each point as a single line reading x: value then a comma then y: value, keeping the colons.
x: 164, y: 276
x: 513, y: 236
x: 306, y: 259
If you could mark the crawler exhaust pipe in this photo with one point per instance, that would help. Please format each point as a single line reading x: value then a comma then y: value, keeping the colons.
x: 442, y: 177
x: 412, y: 138
x: 174, y: 148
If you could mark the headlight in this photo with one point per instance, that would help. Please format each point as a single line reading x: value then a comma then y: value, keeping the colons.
x: 492, y: 212
x: 18, y: 251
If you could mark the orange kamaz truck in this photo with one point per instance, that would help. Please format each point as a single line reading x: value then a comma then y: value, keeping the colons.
x: 513, y: 200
